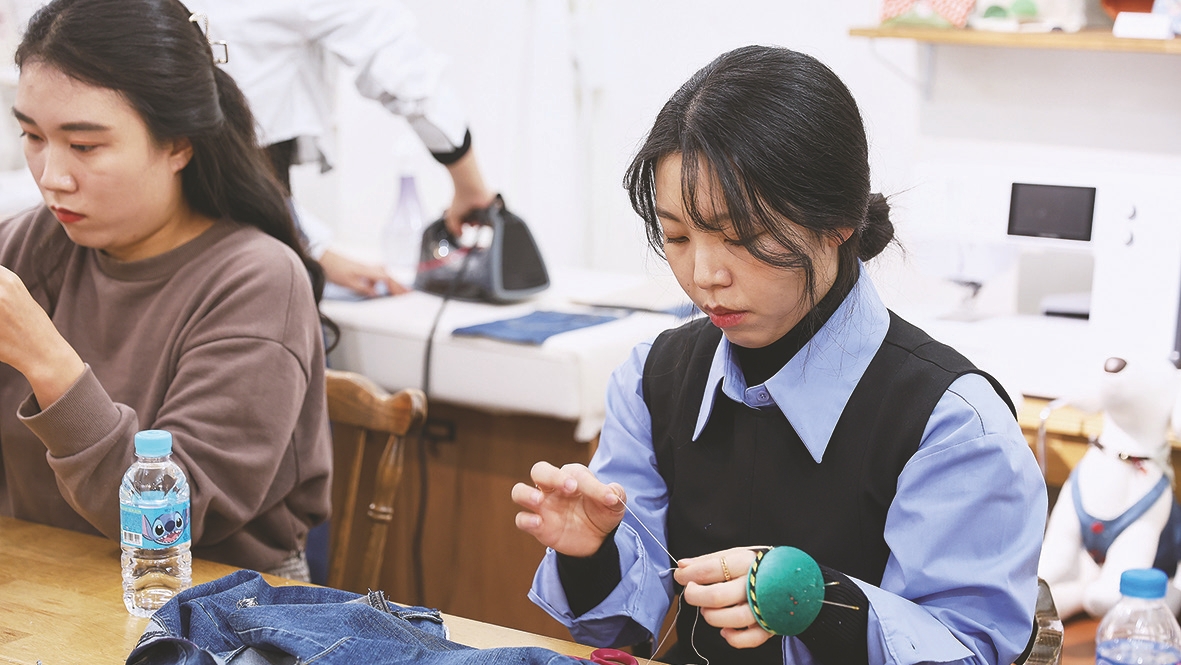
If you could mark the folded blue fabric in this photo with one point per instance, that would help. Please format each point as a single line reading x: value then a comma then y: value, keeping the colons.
x: 535, y: 327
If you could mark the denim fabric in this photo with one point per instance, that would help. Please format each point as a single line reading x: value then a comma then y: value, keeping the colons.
x: 241, y: 620
x: 534, y: 327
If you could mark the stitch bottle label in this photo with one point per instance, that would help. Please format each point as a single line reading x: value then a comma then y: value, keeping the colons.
x: 156, y: 528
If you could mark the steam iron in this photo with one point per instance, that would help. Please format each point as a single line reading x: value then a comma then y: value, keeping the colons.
x: 495, y: 261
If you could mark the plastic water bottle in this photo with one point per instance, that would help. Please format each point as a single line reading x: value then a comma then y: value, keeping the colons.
x: 401, y: 238
x: 154, y: 526
x: 1140, y: 628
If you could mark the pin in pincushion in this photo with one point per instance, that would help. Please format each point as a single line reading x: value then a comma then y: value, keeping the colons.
x: 785, y: 590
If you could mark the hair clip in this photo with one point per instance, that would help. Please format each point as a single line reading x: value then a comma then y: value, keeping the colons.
x: 221, y: 50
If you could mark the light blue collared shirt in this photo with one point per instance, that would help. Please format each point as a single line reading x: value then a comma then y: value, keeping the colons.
x: 964, y: 530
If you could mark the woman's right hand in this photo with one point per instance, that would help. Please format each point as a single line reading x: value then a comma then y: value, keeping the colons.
x: 568, y: 509
x: 31, y: 344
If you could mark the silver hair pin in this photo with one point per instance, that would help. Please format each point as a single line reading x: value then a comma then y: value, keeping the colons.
x: 221, y: 50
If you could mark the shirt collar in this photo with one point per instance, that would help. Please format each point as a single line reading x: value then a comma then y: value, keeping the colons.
x: 813, y: 387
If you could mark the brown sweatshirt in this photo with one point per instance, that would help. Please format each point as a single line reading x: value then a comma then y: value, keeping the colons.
x: 218, y: 342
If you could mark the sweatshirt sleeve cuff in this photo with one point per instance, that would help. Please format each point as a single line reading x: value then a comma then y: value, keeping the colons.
x: 83, y: 415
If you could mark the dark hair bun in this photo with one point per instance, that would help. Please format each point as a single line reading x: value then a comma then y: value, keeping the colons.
x: 878, y: 231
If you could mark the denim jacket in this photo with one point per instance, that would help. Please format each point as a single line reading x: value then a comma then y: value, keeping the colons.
x: 241, y: 620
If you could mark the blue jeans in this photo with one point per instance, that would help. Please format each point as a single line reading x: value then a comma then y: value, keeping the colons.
x: 241, y: 620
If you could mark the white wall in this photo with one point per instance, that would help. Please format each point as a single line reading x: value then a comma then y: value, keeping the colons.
x: 561, y: 93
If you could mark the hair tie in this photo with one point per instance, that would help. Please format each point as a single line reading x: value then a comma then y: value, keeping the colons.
x: 220, y: 49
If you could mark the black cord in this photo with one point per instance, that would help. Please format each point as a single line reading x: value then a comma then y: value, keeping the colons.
x: 424, y: 438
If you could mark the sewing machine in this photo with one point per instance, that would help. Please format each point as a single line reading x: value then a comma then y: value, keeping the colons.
x: 1072, y: 296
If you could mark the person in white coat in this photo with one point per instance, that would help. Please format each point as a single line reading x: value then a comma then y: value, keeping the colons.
x: 280, y: 56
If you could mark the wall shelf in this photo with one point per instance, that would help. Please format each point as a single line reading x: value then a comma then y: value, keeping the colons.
x: 1084, y: 40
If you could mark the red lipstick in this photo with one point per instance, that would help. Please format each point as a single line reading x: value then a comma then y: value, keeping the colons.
x: 66, y: 216
x: 724, y: 318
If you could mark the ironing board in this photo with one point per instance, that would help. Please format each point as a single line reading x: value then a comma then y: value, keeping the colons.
x: 565, y: 377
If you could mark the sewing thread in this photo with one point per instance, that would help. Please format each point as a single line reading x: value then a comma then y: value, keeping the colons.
x: 645, y: 528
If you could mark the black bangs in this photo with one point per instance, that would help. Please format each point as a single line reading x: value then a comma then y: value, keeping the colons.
x: 777, y: 139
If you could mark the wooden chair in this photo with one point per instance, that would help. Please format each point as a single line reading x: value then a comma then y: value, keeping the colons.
x: 1045, y: 644
x: 369, y: 431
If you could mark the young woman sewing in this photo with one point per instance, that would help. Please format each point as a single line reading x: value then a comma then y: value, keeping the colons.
x: 799, y: 414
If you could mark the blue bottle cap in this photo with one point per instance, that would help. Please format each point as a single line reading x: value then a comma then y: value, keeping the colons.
x: 1143, y: 583
x: 153, y: 443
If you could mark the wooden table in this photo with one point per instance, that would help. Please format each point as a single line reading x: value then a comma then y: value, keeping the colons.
x: 1078, y: 645
x: 61, y: 601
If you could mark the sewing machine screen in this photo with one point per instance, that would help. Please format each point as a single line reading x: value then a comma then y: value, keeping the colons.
x: 1051, y: 211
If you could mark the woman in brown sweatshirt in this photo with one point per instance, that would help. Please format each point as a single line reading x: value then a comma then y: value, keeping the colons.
x: 161, y: 285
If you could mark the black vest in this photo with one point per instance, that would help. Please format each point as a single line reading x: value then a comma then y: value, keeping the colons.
x: 749, y: 480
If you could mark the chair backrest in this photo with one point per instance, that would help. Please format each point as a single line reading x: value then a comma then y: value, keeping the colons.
x: 1045, y: 644
x: 369, y: 430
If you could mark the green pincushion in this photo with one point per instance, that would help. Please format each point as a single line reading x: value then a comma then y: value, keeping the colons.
x: 785, y: 590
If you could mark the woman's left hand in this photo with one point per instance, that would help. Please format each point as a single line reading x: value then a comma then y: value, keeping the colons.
x: 717, y: 584
x: 31, y: 344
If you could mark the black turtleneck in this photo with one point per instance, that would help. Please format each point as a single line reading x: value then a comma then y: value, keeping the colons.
x: 760, y: 364
x: 589, y: 580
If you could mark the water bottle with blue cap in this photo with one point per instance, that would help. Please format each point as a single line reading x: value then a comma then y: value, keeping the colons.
x: 1140, y: 628
x: 154, y: 526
